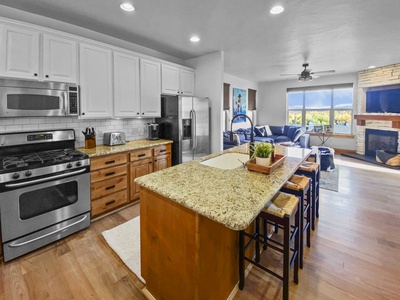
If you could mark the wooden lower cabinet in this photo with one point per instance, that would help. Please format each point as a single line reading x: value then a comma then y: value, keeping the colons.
x: 108, y: 183
x: 162, y: 157
x: 112, y: 176
x: 139, y: 168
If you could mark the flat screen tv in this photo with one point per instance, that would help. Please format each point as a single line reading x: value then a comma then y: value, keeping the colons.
x: 383, y: 101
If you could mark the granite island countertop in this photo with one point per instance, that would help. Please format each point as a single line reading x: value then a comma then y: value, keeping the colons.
x: 230, y: 197
x: 100, y: 150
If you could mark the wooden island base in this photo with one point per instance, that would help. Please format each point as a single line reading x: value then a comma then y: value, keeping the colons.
x: 185, y: 255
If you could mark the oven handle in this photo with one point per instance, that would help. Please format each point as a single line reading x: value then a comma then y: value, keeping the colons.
x: 12, y: 185
x: 14, y: 245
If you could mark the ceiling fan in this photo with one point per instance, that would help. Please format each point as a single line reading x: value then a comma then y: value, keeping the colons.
x: 305, y: 75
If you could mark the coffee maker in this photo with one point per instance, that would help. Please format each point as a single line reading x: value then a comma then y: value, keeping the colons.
x: 152, y: 131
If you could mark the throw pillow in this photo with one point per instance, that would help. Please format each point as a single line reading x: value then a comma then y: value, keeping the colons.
x: 298, y: 133
x: 260, y: 131
x: 268, y: 130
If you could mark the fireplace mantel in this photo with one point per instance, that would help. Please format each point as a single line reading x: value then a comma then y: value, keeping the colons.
x: 395, y: 118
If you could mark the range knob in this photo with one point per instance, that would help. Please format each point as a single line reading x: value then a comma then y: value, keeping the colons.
x: 69, y: 166
x: 28, y: 173
x: 15, y: 176
x: 78, y: 164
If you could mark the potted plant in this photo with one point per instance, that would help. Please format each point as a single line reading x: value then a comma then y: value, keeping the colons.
x: 262, y: 153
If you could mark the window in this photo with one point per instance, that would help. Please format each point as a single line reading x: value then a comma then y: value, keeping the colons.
x: 322, y: 108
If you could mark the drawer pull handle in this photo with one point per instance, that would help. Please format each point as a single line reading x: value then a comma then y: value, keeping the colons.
x: 110, y: 187
x: 110, y: 202
x: 163, y: 150
x: 110, y: 162
x: 141, y: 155
x: 109, y: 174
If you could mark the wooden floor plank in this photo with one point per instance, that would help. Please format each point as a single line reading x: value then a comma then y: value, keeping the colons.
x: 355, y: 251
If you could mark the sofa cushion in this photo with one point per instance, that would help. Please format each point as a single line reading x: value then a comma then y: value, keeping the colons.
x: 227, y: 134
x: 241, y: 137
x: 276, y: 130
x: 282, y: 139
x: 248, y: 133
x: 269, y: 132
x: 260, y: 131
x: 285, y: 130
x: 263, y: 139
x: 291, y: 131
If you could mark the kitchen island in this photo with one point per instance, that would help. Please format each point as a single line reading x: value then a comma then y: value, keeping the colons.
x: 190, y: 218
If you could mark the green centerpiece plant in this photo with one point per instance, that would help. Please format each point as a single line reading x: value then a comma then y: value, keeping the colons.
x: 262, y: 153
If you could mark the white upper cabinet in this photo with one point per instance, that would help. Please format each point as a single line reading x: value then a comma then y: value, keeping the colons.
x: 177, y: 81
x: 126, y: 85
x: 59, y: 59
x: 21, y: 56
x: 150, y: 88
x: 95, y: 81
x: 186, y: 80
x: 19, y: 53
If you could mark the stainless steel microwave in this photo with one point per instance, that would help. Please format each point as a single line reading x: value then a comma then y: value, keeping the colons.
x: 23, y: 98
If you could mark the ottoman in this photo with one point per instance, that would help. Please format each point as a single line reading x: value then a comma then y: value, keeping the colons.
x: 326, y: 156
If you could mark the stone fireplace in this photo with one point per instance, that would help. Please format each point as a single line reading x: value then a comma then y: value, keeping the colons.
x: 377, y: 130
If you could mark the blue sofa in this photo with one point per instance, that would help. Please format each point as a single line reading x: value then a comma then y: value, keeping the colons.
x: 264, y: 133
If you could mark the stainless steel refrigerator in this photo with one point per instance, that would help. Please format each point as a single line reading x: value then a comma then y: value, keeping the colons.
x: 186, y: 121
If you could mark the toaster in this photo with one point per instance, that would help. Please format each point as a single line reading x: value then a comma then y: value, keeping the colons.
x: 114, y: 138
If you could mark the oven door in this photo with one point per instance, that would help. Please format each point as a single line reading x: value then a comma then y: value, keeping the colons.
x: 31, y: 208
x: 32, y: 102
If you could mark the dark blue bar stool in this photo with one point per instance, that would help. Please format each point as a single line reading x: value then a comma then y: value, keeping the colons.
x: 299, y: 186
x: 312, y: 171
x: 283, y: 211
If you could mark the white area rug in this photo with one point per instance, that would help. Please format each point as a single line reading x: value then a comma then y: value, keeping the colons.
x: 125, y: 241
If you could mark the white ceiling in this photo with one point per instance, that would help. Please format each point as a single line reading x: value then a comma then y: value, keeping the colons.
x: 345, y: 35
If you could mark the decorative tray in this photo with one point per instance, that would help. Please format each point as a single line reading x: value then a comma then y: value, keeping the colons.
x: 277, y: 161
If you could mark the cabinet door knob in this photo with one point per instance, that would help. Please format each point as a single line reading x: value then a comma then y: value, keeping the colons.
x: 137, y: 113
x: 35, y: 74
x: 47, y: 76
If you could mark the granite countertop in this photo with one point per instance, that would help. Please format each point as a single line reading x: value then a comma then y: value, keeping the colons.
x: 230, y: 197
x: 129, y: 146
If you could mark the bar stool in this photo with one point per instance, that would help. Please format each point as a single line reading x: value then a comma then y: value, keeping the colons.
x: 282, y: 211
x: 312, y: 171
x: 299, y: 186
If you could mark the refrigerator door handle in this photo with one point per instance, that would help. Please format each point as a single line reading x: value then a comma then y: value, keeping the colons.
x: 194, y: 135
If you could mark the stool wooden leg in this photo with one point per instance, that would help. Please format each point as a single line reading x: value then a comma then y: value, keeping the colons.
x: 241, y: 260
x: 313, y: 203
x: 286, y: 257
x: 257, y: 235
x: 300, y: 213
x: 299, y: 237
x: 317, y: 176
x: 308, y: 229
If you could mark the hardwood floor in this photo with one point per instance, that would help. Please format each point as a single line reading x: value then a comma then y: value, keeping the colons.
x: 355, y: 251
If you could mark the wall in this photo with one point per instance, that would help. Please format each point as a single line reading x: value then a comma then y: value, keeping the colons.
x: 133, y: 128
x: 208, y: 83
x: 236, y: 82
x: 271, y: 105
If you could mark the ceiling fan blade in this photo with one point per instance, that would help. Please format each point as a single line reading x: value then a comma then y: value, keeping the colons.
x: 327, y: 71
x: 290, y: 75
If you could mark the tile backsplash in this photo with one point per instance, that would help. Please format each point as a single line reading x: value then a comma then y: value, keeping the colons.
x: 134, y: 129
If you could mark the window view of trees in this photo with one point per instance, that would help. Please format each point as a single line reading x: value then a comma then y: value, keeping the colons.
x: 328, y: 106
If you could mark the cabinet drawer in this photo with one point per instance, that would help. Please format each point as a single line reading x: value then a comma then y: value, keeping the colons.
x: 109, y: 202
x: 162, y: 149
x: 107, y: 161
x: 105, y: 187
x: 140, y: 154
x: 107, y: 173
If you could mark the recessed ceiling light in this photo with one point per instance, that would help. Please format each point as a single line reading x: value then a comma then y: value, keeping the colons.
x: 194, y: 39
x: 127, y: 6
x: 371, y: 67
x: 276, y: 10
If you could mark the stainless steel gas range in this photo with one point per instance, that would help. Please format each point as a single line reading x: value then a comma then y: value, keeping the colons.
x: 44, y: 189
